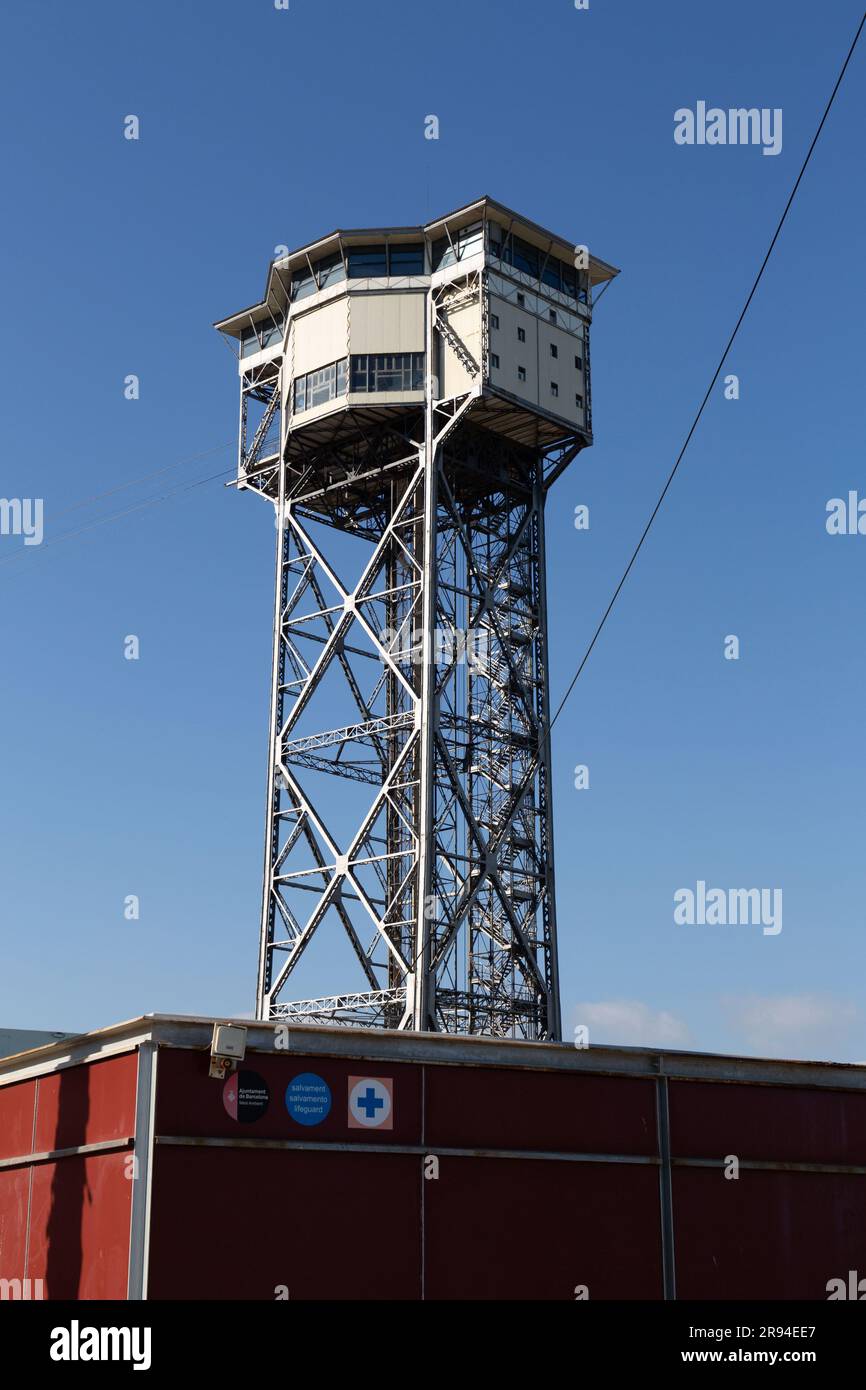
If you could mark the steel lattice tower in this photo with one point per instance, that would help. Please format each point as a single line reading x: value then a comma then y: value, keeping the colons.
x: 408, y: 397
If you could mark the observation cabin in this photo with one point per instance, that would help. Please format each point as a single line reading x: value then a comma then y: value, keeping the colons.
x: 485, y: 301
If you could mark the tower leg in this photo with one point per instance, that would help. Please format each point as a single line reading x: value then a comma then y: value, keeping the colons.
x: 439, y: 878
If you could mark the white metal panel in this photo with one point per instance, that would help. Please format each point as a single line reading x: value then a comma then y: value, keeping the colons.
x: 320, y: 336
x: 533, y: 354
x: 513, y: 353
x: 391, y: 322
x: 383, y: 1045
x: 559, y: 369
x: 139, y: 1222
x: 466, y: 323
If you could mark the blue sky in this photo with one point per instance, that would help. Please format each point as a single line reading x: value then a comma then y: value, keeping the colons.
x: 261, y: 127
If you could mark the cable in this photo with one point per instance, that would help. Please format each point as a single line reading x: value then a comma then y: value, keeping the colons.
x: 145, y: 477
x: 529, y: 773
x: 127, y: 511
x: 713, y: 381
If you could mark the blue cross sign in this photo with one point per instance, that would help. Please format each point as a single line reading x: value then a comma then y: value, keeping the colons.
x: 371, y: 1102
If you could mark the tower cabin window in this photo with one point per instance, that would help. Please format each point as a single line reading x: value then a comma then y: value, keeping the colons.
x: 462, y: 244
x: 320, y: 386
x: 377, y: 262
x: 365, y: 263
x: 513, y: 250
x: 547, y: 269
x: 303, y: 283
x: 368, y: 262
x: 262, y: 335
x: 329, y: 270
x: 388, y: 371
x: 406, y: 258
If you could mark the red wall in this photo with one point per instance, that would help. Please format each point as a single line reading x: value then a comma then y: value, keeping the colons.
x: 523, y: 1229
x: 79, y: 1226
x: 189, y: 1102
x: 528, y: 1209
x: 558, y: 1111
x: 17, y: 1106
x: 238, y: 1222
x: 767, y: 1234
x: 70, y: 1215
x: 229, y: 1223
x: 768, y: 1122
x: 14, y: 1195
x: 766, y: 1230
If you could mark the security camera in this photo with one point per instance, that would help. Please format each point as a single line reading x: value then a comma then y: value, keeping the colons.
x: 228, y: 1047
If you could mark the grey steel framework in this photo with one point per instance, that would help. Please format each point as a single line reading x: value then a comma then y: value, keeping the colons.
x: 435, y: 651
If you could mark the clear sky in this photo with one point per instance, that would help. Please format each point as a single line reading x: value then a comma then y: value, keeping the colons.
x: 261, y: 127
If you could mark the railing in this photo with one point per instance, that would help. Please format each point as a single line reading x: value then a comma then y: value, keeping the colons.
x: 265, y: 443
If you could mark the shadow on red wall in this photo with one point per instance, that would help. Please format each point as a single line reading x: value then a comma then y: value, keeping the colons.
x: 69, y: 1187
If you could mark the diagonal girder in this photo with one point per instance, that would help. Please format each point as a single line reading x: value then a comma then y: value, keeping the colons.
x: 408, y: 801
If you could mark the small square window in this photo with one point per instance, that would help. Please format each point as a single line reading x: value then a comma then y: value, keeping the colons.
x: 578, y: 401
x: 551, y: 314
x: 521, y: 373
x: 554, y: 350
x: 521, y: 335
x: 494, y: 321
x: 494, y: 359
x: 554, y: 388
x: 521, y: 299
